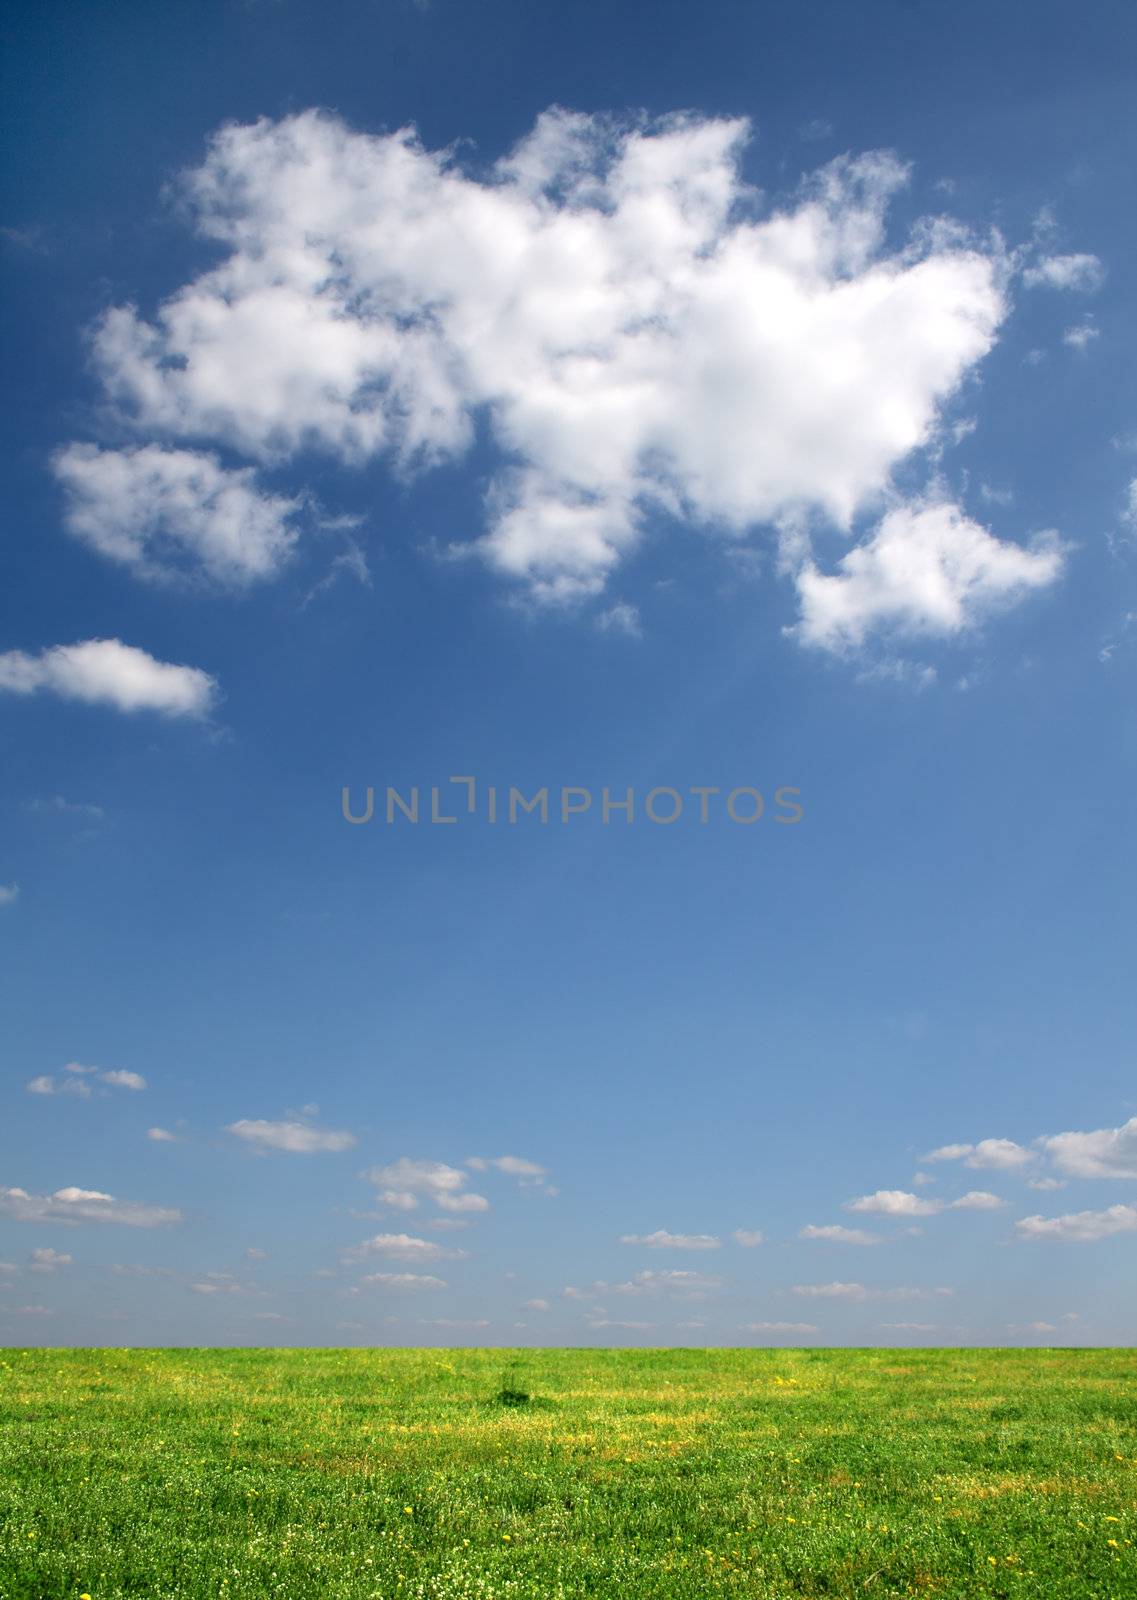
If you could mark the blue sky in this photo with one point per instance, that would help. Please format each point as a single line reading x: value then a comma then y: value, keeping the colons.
x: 400, y: 393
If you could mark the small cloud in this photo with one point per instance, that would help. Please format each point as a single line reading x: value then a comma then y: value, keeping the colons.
x: 402, y: 1247
x: 443, y: 1184
x: 894, y: 1203
x: 297, y: 1138
x: 9, y: 894
x: 977, y: 1200
x: 662, y: 1240
x: 835, y: 1234
x: 123, y: 1080
x: 748, y: 1238
x: 529, y: 1174
x: 56, y: 805
x: 536, y: 1305
x: 858, y: 1291
x: 620, y: 618
x: 685, y: 1284
x: 414, y: 1281
x: 1073, y: 272
x: 462, y: 1202
x: 47, y: 1260
x: 1080, y: 336
x: 77, y: 1080
x: 254, y: 1254
x: 779, y: 1327
x: 45, y: 1084
x: 998, y: 1155
x: 72, y: 1204
x: 161, y: 1136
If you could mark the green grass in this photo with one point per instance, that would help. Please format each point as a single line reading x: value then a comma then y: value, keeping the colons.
x: 454, y: 1473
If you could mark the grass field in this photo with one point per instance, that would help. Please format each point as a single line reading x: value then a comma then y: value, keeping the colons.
x: 454, y: 1473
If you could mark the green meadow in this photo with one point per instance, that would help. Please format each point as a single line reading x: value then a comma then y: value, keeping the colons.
x: 477, y: 1473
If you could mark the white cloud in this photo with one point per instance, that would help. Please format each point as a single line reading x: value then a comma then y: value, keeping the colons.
x: 748, y: 1238
x: 662, y: 1240
x: 894, y: 1203
x: 81, y: 1205
x: 835, y: 1234
x: 75, y: 1081
x: 1046, y: 1183
x: 779, y: 1327
x: 998, y: 1155
x: 1080, y: 1227
x: 57, y: 806
x: 45, y: 1084
x: 1081, y: 335
x: 512, y: 1166
x: 686, y: 1285
x: 1104, y: 1153
x: 299, y: 1138
x: 161, y: 1136
x: 858, y: 1291
x: 443, y: 1184
x: 462, y: 1202
x: 402, y: 1247
x: 108, y: 672
x: 164, y: 512
x: 636, y: 328
x: 537, y: 1305
x: 403, y: 1280
x: 399, y: 1199
x: 9, y: 892
x: 123, y: 1080
x: 977, y: 1200
x: 620, y: 618
x: 926, y: 569
x: 48, y: 1260
x: 1081, y: 272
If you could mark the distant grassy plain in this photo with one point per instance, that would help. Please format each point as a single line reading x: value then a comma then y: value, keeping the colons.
x: 427, y: 1473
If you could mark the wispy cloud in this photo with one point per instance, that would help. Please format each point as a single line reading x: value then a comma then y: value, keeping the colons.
x: 662, y: 1240
x: 82, y: 1205
x: 835, y: 1234
x: 81, y: 1082
x: 297, y: 1138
